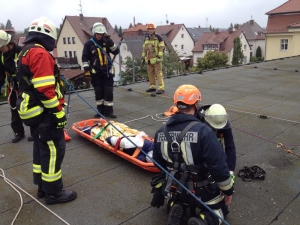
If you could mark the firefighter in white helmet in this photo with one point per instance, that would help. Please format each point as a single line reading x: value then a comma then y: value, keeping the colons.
x: 40, y: 105
x: 9, y: 52
x: 97, y: 64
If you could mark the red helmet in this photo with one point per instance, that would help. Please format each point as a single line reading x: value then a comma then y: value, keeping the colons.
x: 150, y: 26
x: 187, y: 94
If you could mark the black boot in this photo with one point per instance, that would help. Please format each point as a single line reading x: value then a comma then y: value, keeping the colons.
x: 100, y: 110
x: 175, y: 214
x: 62, y: 197
x: 109, y: 112
x: 18, y: 137
x: 40, y: 193
x: 30, y: 138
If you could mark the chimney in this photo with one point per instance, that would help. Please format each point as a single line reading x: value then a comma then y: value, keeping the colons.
x: 81, y: 16
x: 229, y: 30
x: 251, y: 22
x: 104, y: 21
x: 134, y: 21
x: 172, y: 23
x: 217, y: 31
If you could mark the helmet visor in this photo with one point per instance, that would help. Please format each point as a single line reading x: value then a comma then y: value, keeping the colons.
x: 216, y: 121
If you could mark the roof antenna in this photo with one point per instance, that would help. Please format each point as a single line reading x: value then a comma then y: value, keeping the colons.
x: 80, y: 7
x: 167, y: 21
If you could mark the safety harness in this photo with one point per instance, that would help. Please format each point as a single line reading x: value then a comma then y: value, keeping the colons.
x: 188, y: 175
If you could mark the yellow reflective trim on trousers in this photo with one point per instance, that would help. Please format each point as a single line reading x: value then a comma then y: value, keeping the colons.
x: 43, y: 81
x: 52, y: 160
x: 51, y: 177
x: 37, y: 168
x: 51, y: 103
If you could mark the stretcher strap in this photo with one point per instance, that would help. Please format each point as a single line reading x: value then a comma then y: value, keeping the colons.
x: 100, y: 132
x: 117, y: 144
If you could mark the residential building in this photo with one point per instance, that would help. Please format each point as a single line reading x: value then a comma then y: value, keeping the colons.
x: 255, y: 36
x: 75, y: 31
x: 283, y: 31
x: 221, y: 41
x: 139, y: 29
x: 196, y: 32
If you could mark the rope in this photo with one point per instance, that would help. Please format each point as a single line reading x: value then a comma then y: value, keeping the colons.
x: 157, y: 164
x: 15, y: 186
x: 279, y: 145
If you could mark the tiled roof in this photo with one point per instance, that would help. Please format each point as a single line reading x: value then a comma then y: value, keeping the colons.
x: 169, y: 30
x: 83, y: 27
x: 217, y: 38
x: 69, y: 74
x: 279, y: 23
x: 196, y: 32
x: 287, y: 7
x: 294, y: 25
x: 252, y: 30
x: 136, y: 28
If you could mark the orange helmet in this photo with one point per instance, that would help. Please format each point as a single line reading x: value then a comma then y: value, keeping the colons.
x: 150, y: 26
x: 187, y: 94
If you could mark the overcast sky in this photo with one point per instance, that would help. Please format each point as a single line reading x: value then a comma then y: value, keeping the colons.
x: 192, y: 13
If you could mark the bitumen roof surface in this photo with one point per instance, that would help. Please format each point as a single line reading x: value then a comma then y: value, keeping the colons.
x: 262, y: 101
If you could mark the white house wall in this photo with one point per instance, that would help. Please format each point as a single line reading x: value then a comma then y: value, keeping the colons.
x: 124, y: 52
x: 186, y: 41
x: 245, y: 47
x: 255, y: 44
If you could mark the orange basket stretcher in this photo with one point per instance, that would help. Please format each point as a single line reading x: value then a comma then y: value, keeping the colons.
x: 80, y: 127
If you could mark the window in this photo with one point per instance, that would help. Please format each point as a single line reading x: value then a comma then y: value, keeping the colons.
x: 66, y: 54
x: 70, y: 54
x: 245, y: 47
x: 182, y: 47
x: 75, y: 54
x: 73, y: 40
x: 69, y: 40
x: 284, y: 44
x: 64, y: 40
x: 182, y: 35
x: 205, y: 47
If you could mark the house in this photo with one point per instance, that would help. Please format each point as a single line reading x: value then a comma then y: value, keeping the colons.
x: 255, y: 36
x: 75, y: 31
x: 196, y: 32
x: 138, y: 29
x: 283, y: 31
x: 220, y: 41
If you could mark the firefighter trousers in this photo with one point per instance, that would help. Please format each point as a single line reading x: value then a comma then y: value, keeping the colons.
x: 155, y: 71
x: 16, y: 122
x: 48, y: 154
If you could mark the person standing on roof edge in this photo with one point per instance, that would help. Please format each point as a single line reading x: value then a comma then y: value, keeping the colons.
x: 40, y: 105
x: 97, y: 64
x: 197, y: 161
x: 153, y: 49
x: 9, y: 52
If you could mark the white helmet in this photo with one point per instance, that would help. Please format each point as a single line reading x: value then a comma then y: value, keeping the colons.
x: 5, y: 38
x: 98, y: 28
x: 45, y: 26
x: 216, y: 116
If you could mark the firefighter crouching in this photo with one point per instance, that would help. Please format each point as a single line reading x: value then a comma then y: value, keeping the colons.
x: 97, y: 64
x: 40, y: 106
x: 9, y: 53
x: 153, y: 49
x: 190, y: 151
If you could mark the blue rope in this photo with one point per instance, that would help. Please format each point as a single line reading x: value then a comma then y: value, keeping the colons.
x: 158, y: 165
x: 108, y: 57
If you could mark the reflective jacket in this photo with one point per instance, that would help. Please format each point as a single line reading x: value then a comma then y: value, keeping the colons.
x: 40, y: 87
x: 153, y: 48
x: 199, y: 147
x: 94, y: 59
x: 8, y: 66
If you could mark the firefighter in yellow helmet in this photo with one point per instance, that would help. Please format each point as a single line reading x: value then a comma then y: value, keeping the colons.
x: 153, y: 49
x: 189, y: 150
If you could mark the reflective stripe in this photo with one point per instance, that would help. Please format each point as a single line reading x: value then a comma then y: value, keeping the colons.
x: 102, y: 61
x: 37, y: 168
x: 26, y: 113
x: 215, y: 200
x: 43, y: 81
x: 58, y: 92
x: 113, y: 48
x: 99, y: 102
x: 85, y: 64
x: 51, y: 177
x: 107, y: 103
x: 51, y: 103
x: 186, y: 152
x: 225, y: 185
x: 164, y: 147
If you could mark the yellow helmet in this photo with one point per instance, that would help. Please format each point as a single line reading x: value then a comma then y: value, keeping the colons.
x: 216, y: 116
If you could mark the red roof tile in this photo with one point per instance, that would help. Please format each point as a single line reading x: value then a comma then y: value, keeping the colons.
x: 287, y: 7
x: 169, y: 30
x: 279, y: 23
x: 69, y: 74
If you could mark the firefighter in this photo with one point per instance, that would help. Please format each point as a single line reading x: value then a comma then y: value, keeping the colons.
x: 9, y: 53
x: 190, y: 151
x: 40, y: 105
x: 97, y: 64
x: 153, y: 49
x: 217, y: 118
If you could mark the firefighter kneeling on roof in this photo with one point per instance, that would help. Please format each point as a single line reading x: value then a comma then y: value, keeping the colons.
x: 190, y: 151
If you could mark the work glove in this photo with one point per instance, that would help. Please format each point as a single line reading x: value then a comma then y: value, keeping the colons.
x: 87, y: 74
x: 60, y: 119
x: 108, y: 41
x: 158, y: 59
x: 158, y: 198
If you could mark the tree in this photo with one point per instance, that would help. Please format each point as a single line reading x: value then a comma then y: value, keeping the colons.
x: 116, y: 29
x: 2, y: 26
x: 130, y: 25
x: 8, y: 25
x: 210, y: 27
x: 231, y: 26
x: 213, y: 59
x: 236, y: 26
x: 139, y: 69
x: 238, y: 55
x: 26, y: 30
x: 258, y: 52
x: 120, y: 32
